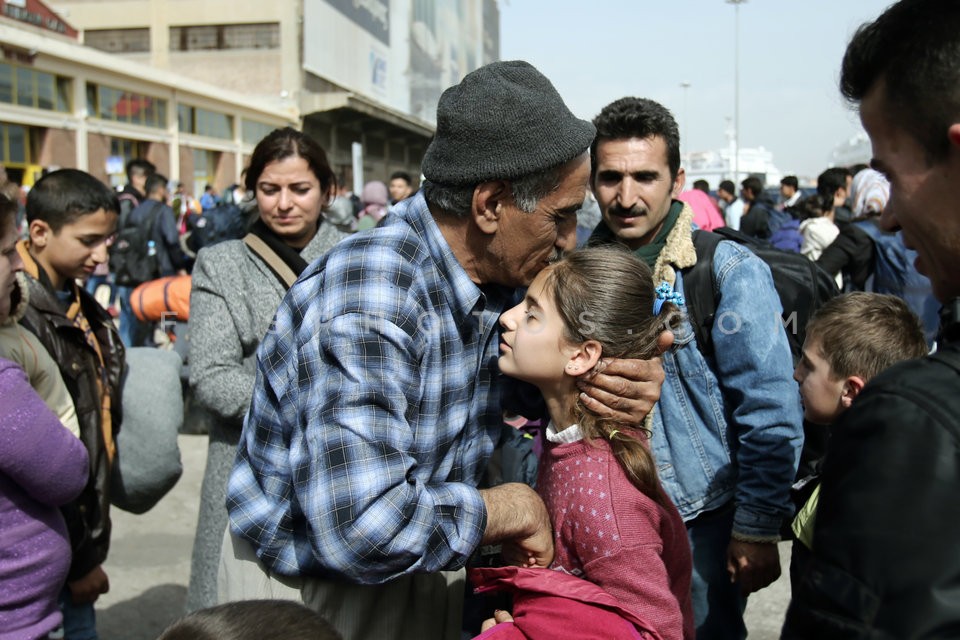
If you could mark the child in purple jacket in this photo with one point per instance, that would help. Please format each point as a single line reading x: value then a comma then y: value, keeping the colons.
x: 42, y: 466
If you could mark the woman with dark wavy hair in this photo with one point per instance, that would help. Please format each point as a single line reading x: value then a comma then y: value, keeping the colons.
x: 237, y: 287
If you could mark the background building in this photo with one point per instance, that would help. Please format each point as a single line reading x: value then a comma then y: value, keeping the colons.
x: 362, y: 77
x: 65, y: 105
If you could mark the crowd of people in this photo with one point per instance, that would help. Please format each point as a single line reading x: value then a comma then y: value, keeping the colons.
x: 362, y: 359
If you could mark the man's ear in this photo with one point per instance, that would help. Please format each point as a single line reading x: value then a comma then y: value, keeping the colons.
x: 487, y: 206
x: 852, y: 387
x: 584, y: 358
x: 40, y: 233
x: 679, y: 183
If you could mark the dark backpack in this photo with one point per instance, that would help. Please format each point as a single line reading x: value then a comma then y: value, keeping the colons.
x: 776, y: 218
x: 132, y: 258
x: 894, y: 273
x: 226, y: 221
x: 787, y: 237
x: 803, y: 287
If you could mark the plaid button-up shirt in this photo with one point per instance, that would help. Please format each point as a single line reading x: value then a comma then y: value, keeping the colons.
x: 375, y: 411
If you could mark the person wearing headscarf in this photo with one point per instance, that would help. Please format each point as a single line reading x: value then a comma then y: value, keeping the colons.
x: 375, y: 205
x: 869, y: 193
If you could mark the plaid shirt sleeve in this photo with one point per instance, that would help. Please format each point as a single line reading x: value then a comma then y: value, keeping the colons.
x: 347, y: 467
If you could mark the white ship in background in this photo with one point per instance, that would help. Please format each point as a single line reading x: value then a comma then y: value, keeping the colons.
x: 716, y: 166
x: 856, y: 150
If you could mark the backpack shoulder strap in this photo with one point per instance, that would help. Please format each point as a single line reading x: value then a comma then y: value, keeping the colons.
x: 699, y: 289
x: 284, y: 273
x: 125, y: 211
x: 152, y: 218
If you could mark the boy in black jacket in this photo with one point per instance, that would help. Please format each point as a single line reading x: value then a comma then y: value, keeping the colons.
x: 850, y: 340
x: 72, y: 217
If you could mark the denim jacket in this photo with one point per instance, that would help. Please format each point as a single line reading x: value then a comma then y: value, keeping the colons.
x: 729, y: 427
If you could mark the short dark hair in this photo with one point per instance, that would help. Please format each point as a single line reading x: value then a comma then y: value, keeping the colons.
x: 702, y: 185
x: 728, y: 186
x: 861, y: 334
x: 401, y: 175
x: 914, y: 48
x: 139, y: 167
x: 253, y: 620
x: 754, y: 184
x: 637, y: 118
x: 790, y: 181
x: 63, y: 196
x: 854, y: 169
x: 815, y: 205
x: 832, y: 179
x: 154, y: 181
x: 284, y: 143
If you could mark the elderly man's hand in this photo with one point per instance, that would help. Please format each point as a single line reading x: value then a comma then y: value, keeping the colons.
x: 518, y: 520
x: 625, y: 390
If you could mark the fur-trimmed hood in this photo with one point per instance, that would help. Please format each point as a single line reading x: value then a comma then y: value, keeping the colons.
x: 19, y: 300
x: 679, y: 252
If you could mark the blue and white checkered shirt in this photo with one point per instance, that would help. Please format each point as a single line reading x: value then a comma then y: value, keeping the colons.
x: 375, y: 411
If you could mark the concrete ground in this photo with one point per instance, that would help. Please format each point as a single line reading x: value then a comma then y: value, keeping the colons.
x: 149, y: 564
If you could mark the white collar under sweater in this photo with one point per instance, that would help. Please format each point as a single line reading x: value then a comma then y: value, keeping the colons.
x: 569, y: 435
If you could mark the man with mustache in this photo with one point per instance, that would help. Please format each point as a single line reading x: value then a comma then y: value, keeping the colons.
x: 727, y: 430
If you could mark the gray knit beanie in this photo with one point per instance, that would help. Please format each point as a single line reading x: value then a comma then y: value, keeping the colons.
x: 503, y: 121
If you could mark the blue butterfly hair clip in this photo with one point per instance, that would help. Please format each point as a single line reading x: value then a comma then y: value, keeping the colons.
x: 665, y: 293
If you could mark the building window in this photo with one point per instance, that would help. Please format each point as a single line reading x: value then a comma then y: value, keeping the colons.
x: 254, y: 132
x: 127, y: 150
x: 6, y: 83
x: 108, y: 103
x: 13, y: 144
x: 204, y: 169
x: 397, y: 151
x: 375, y: 147
x: 19, y: 145
x: 225, y: 36
x: 36, y: 89
x: 204, y: 122
x: 118, y: 40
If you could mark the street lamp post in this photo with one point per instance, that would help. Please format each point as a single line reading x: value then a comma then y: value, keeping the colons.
x: 686, y: 129
x: 736, y: 89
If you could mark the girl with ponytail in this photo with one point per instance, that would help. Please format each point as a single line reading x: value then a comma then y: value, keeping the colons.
x: 613, y: 523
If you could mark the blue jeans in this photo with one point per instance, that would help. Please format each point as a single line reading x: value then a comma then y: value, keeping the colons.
x: 133, y: 333
x: 79, y: 620
x: 717, y: 603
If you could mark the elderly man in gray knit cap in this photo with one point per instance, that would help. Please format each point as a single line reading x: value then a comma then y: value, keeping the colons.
x: 377, y: 403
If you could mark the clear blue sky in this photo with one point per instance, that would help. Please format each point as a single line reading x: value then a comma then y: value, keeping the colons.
x: 596, y: 51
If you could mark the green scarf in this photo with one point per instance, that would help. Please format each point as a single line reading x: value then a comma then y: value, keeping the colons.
x: 648, y: 252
